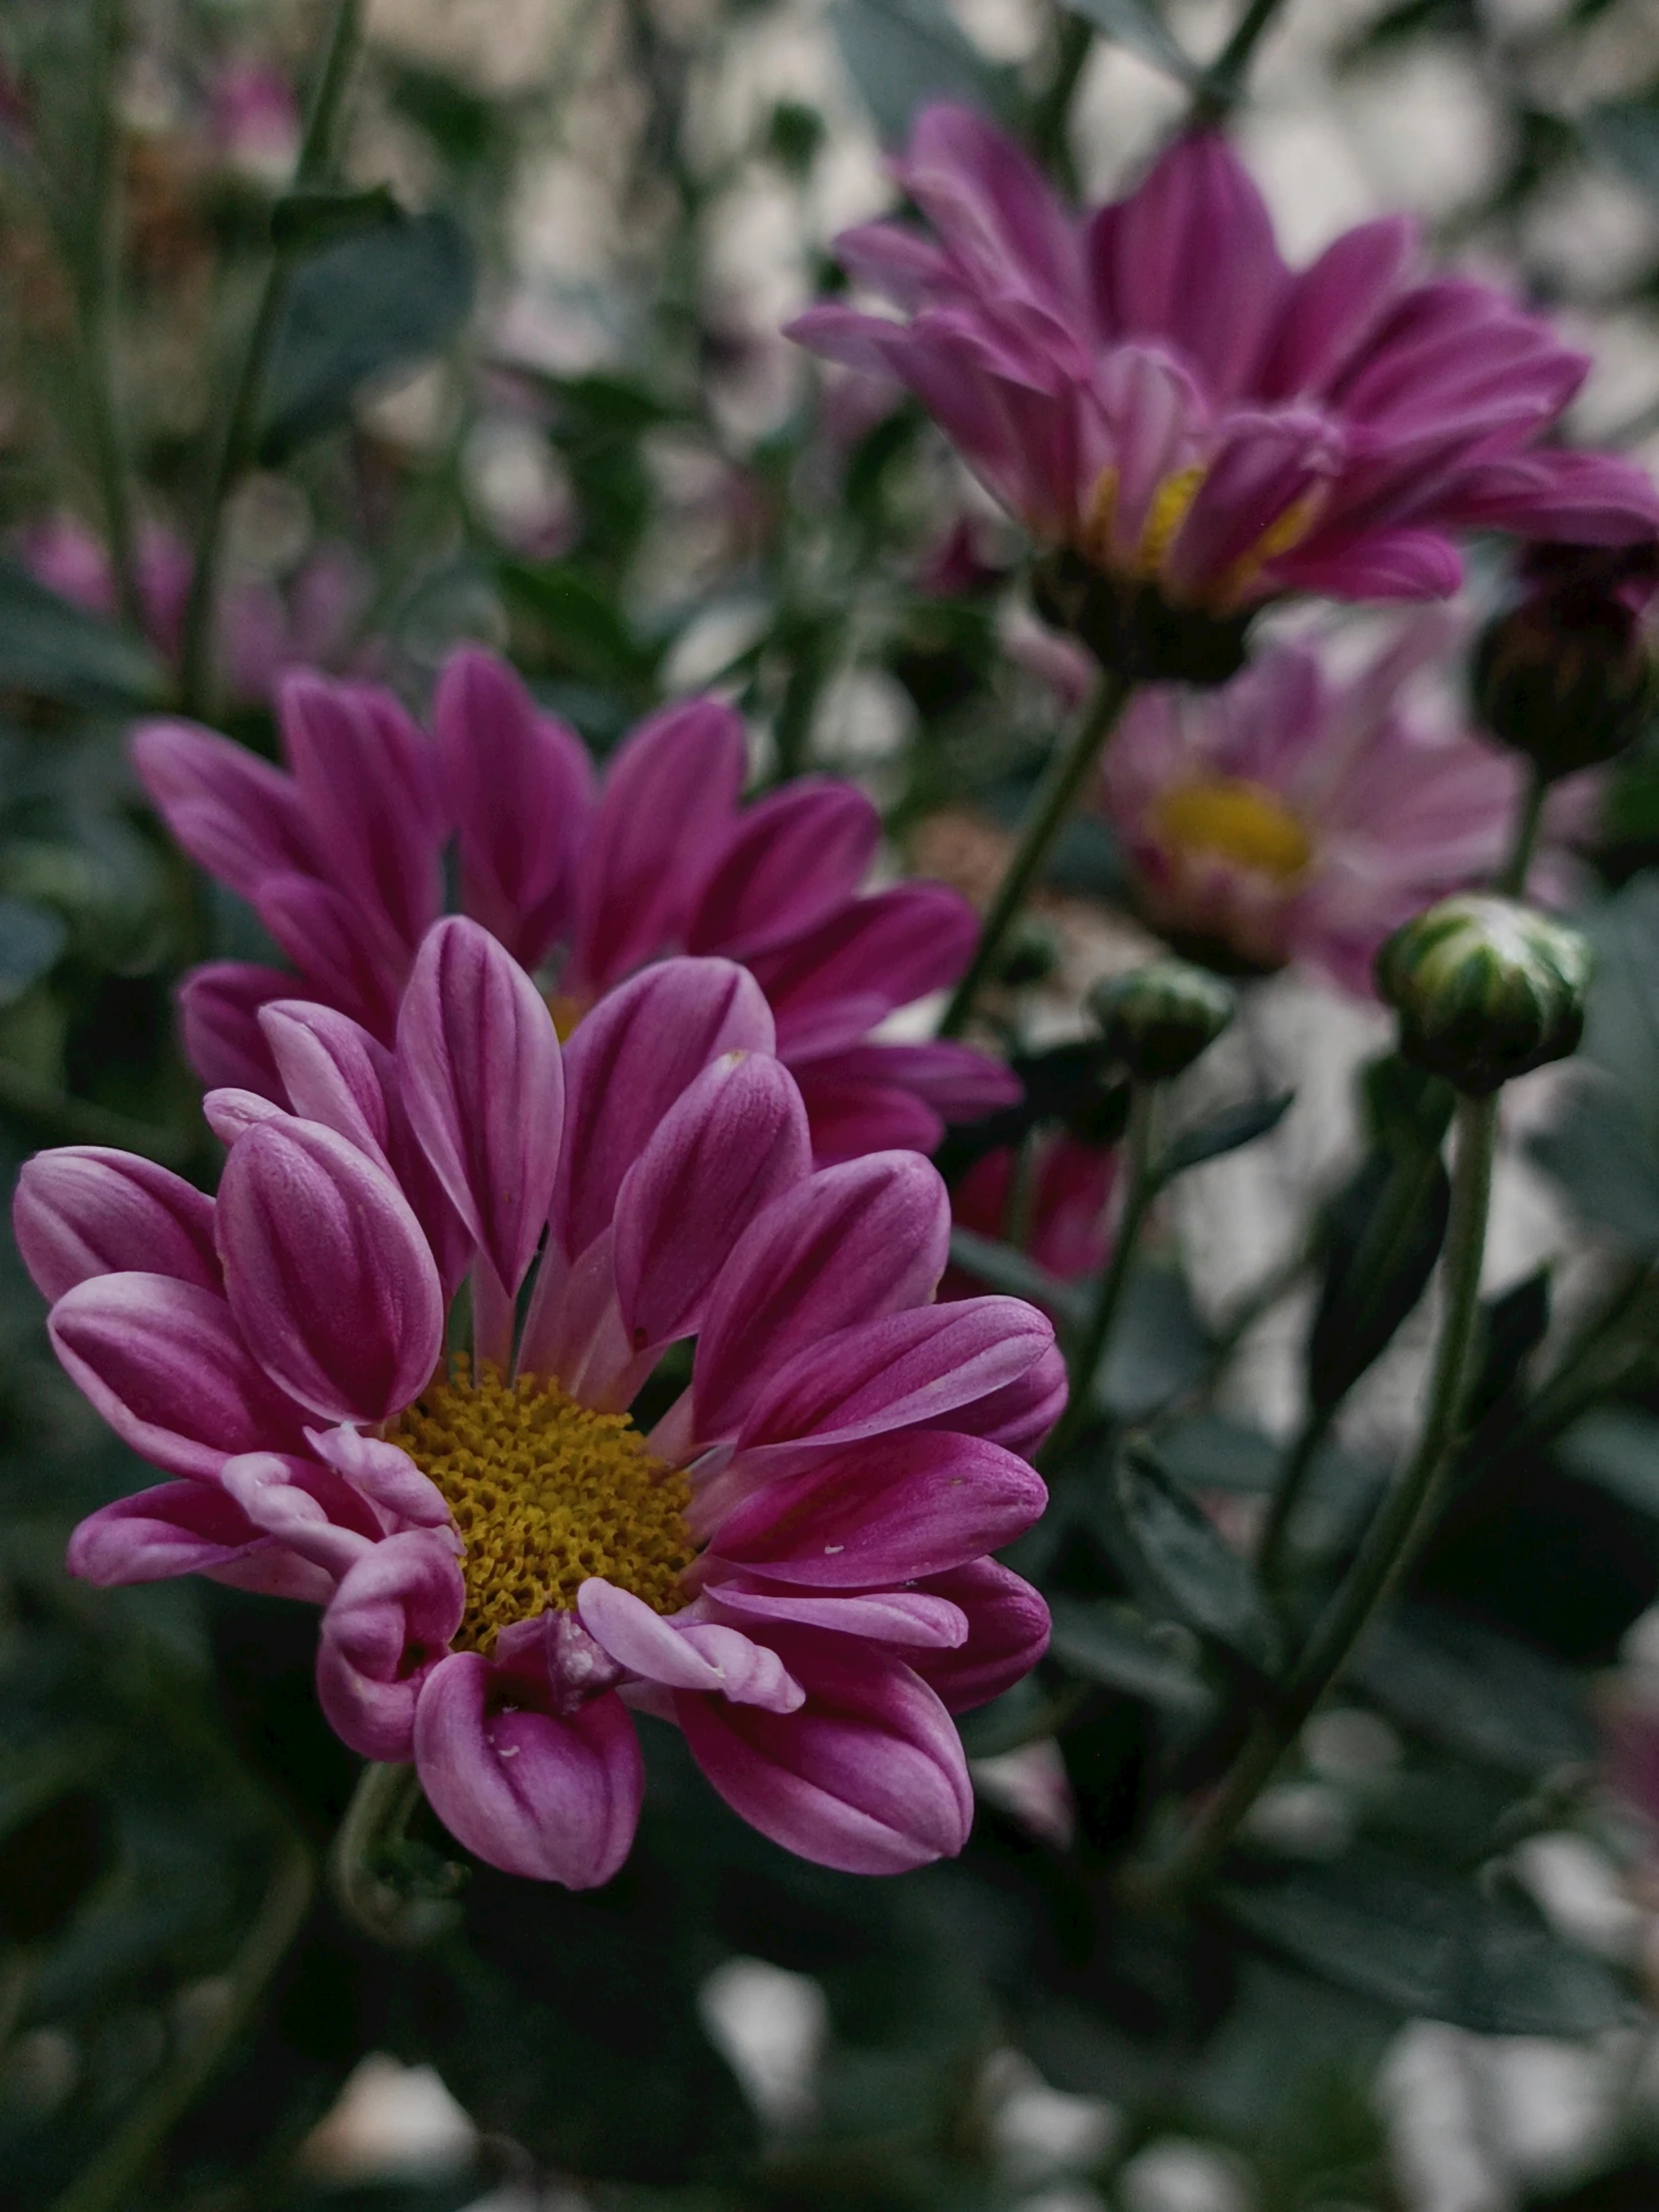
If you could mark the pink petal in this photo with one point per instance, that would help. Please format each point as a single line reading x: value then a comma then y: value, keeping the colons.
x: 521, y: 789
x: 175, y: 1528
x: 904, y: 1618
x: 867, y: 1777
x: 835, y: 982
x: 789, y: 862
x: 84, y: 1210
x: 1584, y: 498
x: 850, y: 1116
x: 629, y: 1061
x: 736, y: 1140
x: 327, y: 938
x: 230, y: 1114
x: 556, y: 1800
x: 1332, y: 309
x: 993, y: 206
x: 479, y: 1067
x: 1379, y: 564
x: 218, y: 1006
x: 689, y: 1656
x: 332, y: 1070
x: 328, y: 1272
x: 387, y: 1478
x: 1007, y: 1634
x: 306, y: 1507
x: 852, y: 1242
x: 1019, y: 1416
x: 668, y: 798
x: 234, y: 814
x: 166, y: 1365
x: 1262, y: 466
x: 387, y: 1626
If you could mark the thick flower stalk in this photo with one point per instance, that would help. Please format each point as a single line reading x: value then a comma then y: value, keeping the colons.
x: 343, y: 859
x: 792, y: 1565
x: 1298, y: 815
x: 1154, y: 394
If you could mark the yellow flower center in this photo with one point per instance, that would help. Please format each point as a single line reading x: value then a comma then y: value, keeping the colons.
x: 1235, y: 820
x: 545, y: 1493
x: 1167, y: 510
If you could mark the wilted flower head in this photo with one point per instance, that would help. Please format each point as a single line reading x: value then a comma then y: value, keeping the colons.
x: 343, y: 859
x: 790, y: 1565
x: 1299, y: 816
x: 1149, y: 387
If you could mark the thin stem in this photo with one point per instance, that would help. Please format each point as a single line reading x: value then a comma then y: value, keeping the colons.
x: 1293, y: 1478
x: 1224, y: 81
x: 246, y: 389
x: 371, y: 1832
x: 108, y: 2181
x: 1512, y: 877
x: 96, y: 274
x: 1395, y: 1536
x: 1066, y: 776
x: 1140, y: 1188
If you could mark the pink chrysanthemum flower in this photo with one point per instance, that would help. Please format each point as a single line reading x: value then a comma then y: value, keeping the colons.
x: 1151, y: 387
x: 342, y: 859
x: 792, y: 1565
x: 1295, y: 816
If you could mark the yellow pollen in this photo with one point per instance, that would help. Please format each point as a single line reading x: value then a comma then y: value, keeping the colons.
x: 1235, y: 820
x: 545, y: 1493
x: 1165, y: 517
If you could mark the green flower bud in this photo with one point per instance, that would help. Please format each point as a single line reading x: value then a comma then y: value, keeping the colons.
x: 1486, y: 988
x: 1158, y: 1019
x: 1565, y: 677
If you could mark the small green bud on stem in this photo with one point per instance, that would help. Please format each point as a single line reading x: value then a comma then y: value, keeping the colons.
x: 1157, y: 1020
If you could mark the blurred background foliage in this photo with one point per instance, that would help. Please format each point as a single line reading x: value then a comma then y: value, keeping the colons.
x: 523, y: 382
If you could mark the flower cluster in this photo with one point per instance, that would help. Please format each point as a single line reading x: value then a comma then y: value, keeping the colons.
x: 342, y: 859
x: 790, y: 1565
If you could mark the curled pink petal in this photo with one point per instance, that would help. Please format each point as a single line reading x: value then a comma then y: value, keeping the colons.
x: 387, y: 1628
x: 84, y: 1210
x: 305, y: 1508
x: 332, y: 1070
x: 230, y: 1114
x: 175, y: 1528
x: 387, y: 1476
x: 904, y: 1618
x: 689, y: 1656
x: 554, y: 1798
x: 328, y: 1272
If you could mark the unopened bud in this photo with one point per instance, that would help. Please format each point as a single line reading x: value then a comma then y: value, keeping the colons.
x: 1565, y: 678
x: 1158, y: 1019
x: 1486, y: 988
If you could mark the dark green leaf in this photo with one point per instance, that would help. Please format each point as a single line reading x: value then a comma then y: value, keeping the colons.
x: 1159, y: 1345
x: 1604, y: 1160
x: 1228, y: 1131
x: 56, y: 650
x: 582, y: 625
x: 47, y: 1863
x: 361, y: 309
x: 1618, y: 1450
x: 1476, y: 1691
x: 306, y: 221
x: 1406, y: 1109
x: 1113, y: 1645
x: 1001, y: 1268
x: 1382, y: 1236
x: 1622, y: 1029
x: 1140, y: 25
x: 1210, y: 1453
x: 1177, y: 1561
x: 31, y: 940
x: 1429, y: 1946
x: 903, y: 52
x: 1511, y: 1328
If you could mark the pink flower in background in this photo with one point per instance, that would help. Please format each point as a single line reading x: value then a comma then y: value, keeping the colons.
x: 1150, y: 385
x: 262, y: 629
x: 343, y: 860
x: 792, y: 1565
x: 1295, y: 816
x: 254, y: 119
x: 1057, y: 1215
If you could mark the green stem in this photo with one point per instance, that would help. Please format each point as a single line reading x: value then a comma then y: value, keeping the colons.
x: 97, y: 276
x: 1395, y: 1536
x: 1140, y: 1188
x: 236, y: 430
x: 1292, y: 1488
x: 109, y: 2182
x: 1224, y: 81
x: 1067, y: 773
x: 370, y: 1834
x: 1512, y: 877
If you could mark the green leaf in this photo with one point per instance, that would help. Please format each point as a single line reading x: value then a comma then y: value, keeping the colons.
x: 1511, y: 1328
x: 306, y: 221
x: 903, y: 52
x: 1384, y: 1234
x: 1618, y: 1448
x: 1604, y: 1160
x: 1429, y: 1946
x: 1176, y: 1559
x: 1115, y: 1646
x: 1228, y: 1131
x: 582, y: 624
x: 53, y: 649
x: 357, y: 312
x: 1001, y: 1268
x: 49, y: 1863
x: 1476, y: 1691
x: 32, y: 940
x: 1210, y: 1453
x: 1140, y: 25
x: 1159, y: 1345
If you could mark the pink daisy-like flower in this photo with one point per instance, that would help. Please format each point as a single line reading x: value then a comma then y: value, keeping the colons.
x: 1293, y: 816
x: 1149, y: 387
x: 342, y: 859
x: 792, y: 1565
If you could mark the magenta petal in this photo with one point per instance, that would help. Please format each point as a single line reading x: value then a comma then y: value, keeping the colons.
x: 230, y: 1114
x: 993, y: 206
x: 686, y: 1655
x: 835, y: 982
x: 850, y: 1116
x: 306, y: 1507
x: 1019, y: 1416
x: 381, y: 1474
x: 387, y: 1626
x: 1380, y: 564
x: 913, y: 1502
x: 520, y: 787
x: 554, y: 1798
x: 175, y: 1528
x: 328, y: 1272
x: 479, y: 1067
x: 869, y: 1776
x: 905, y: 1617
x: 84, y: 1210
x: 852, y: 1242
x: 332, y: 1070
x: 1007, y: 1634
x: 166, y: 1365
x: 789, y: 862
x: 643, y: 1045
x: 340, y: 957
x: 237, y: 815
x: 736, y: 1140
x: 219, y: 1009
x: 668, y: 798
x: 1332, y: 309
x: 898, y: 1371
